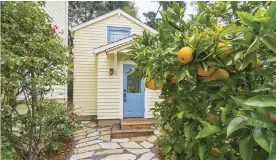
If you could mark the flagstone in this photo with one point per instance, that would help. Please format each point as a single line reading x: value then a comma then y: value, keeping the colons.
x: 120, y: 140
x: 152, y: 139
x: 105, y: 137
x: 88, y: 143
x: 109, y: 145
x: 88, y: 139
x: 79, y: 138
x: 147, y: 144
x: 130, y: 145
x: 109, y: 151
x: 147, y: 156
x: 105, y: 132
x: 138, y: 151
x: 120, y: 157
x: 82, y: 155
x: 93, y: 134
x: 104, y: 129
x: 138, y: 139
x: 86, y: 149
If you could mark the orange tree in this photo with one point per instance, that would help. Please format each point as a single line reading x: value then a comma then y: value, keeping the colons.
x: 216, y: 72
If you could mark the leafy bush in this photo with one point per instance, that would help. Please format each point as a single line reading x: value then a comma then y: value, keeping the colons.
x: 33, y: 59
x: 55, y: 123
x: 217, y: 77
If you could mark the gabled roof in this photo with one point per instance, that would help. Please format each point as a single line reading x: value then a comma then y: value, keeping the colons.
x: 118, y: 11
x: 113, y: 45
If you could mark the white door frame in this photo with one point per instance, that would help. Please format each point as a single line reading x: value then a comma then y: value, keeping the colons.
x: 122, y: 62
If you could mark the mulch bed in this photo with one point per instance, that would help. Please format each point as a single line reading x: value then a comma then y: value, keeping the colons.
x: 66, y: 151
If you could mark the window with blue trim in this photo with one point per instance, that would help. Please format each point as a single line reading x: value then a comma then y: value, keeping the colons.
x: 117, y: 33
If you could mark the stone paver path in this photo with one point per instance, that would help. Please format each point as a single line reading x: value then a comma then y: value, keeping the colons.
x: 93, y: 142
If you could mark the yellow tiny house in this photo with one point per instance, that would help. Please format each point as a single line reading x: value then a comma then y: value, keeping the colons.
x: 101, y: 85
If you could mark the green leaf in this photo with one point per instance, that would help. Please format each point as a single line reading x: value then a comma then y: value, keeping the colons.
x: 201, y: 152
x: 234, y: 125
x: 272, y: 12
x: 247, y: 19
x: 208, y: 130
x: 270, y: 42
x: 216, y: 83
x: 177, y: 147
x: 261, y: 101
x: 201, y: 6
x: 239, y: 100
x: 180, y: 115
x: 167, y: 149
x: 272, y: 153
x: 246, y: 148
x: 260, y: 139
x: 253, y: 46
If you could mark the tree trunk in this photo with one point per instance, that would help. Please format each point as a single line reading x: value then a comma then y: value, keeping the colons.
x: 33, y: 106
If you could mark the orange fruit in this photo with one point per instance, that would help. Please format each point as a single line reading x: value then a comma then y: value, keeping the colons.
x: 272, y: 117
x: 227, y: 50
x: 173, y: 79
x: 201, y: 72
x: 150, y: 85
x: 218, y: 74
x: 185, y: 55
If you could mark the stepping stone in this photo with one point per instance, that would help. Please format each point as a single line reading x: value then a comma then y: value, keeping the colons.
x: 156, y: 132
x: 109, y: 145
x: 104, y: 129
x: 93, y: 134
x: 110, y: 151
x: 147, y: 156
x: 85, y: 122
x: 82, y: 155
x: 88, y: 139
x: 92, y: 124
x: 88, y: 143
x: 120, y: 157
x: 130, y: 145
x: 152, y: 139
x: 147, y: 144
x: 86, y: 149
x: 138, y: 151
x: 79, y: 137
x: 105, y: 138
x: 82, y: 130
x: 80, y: 134
x: 105, y: 132
x: 120, y: 140
x: 91, y: 130
x: 138, y: 139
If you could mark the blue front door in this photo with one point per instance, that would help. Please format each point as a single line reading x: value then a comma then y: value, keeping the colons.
x: 133, y: 94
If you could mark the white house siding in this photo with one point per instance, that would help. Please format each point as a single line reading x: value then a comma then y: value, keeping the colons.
x: 85, y: 69
x: 109, y: 89
x: 58, y: 10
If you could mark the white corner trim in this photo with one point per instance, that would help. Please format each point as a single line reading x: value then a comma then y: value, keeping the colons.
x: 111, y: 45
x: 119, y: 12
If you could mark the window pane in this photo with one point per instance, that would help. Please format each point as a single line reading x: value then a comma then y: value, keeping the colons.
x: 133, y: 84
x: 116, y: 35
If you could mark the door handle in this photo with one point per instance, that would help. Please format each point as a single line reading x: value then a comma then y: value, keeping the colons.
x: 124, y: 95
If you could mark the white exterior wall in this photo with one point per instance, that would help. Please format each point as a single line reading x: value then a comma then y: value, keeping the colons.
x: 95, y: 91
x: 58, y: 10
